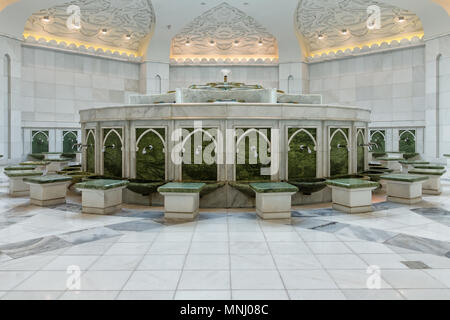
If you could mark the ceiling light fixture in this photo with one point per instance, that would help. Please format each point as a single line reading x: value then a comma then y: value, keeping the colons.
x: 188, y: 43
x: 344, y: 32
x: 46, y: 18
x: 212, y: 43
x: 128, y: 36
x: 260, y: 42
x: 236, y: 43
x: 401, y: 19
x: 104, y: 31
x: 320, y: 36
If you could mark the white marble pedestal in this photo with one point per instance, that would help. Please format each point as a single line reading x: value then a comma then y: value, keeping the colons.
x: 273, y: 199
x: 181, y: 200
x: 57, y: 165
x: 404, y: 188
x: 352, y: 195
x: 48, y: 190
x: 432, y: 185
x: 18, y: 188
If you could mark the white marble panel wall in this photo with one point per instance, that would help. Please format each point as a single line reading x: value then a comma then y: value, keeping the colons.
x: 391, y: 83
x: 437, y: 98
x: 154, y: 78
x: 294, y: 77
x: 56, y: 85
x: 184, y: 76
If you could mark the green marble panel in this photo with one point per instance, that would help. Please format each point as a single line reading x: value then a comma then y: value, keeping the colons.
x: 47, y: 179
x: 273, y: 187
x: 302, y: 163
x: 201, y: 171
x: 40, y: 141
x: 90, y: 153
x: 190, y: 187
x: 22, y: 173
x: 361, y: 161
x: 102, y: 184
x: 21, y: 168
x: 339, y: 156
x: 431, y: 172
x: 150, y: 157
x: 404, y: 177
x: 112, y: 156
x: 248, y: 167
x: 377, y: 136
x: 407, y: 143
x: 429, y: 166
x: 352, y: 183
x: 34, y: 163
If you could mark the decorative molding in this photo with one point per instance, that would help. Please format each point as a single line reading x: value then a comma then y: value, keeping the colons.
x: 330, y: 17
x: 384, y: 46
x: 224, y: 33
x: 63, y: 46
x: 228, y: 61
x: 118, y: 17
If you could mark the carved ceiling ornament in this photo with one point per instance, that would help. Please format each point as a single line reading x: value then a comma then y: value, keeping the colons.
x: 331, y: 18
x: 104, y: 23
x: 224, y: 32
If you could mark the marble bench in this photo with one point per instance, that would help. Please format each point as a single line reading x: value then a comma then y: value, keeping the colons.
x: 48, y: 190
x: 352, y: 195
x: 404, y: 188
x: 102, y: 196
x: 40, y: 165
x: 20, y: 168
x: 392, y: 163
x: 273, y: 199
x: 181, y: 200
x: 409, y: 164
x: 52, y: 155
x: 433, y: 184
x: 56, y: 165
x: 17, y: 187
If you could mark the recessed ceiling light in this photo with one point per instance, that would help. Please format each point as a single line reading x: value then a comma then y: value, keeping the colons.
x: 212, y: 42
x: 104, y: 31
x: 260, y: 42
x: 236, y: 42
x: 46, y: 18
x: 128, y: 36
x: 344, y: 31
x: 401, y: 19
x: 188, y: 42
x: 320, y: 36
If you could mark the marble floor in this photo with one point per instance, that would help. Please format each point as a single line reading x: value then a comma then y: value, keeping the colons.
x: 395, y: 252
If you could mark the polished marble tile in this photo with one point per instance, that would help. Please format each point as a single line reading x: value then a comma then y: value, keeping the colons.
x: 256, y: 279
x: 128, y: 248
x: 116, y: 262
x: 152, y: 280
x: 341, y: 261
x: 316, y: 295
x: 296, y: 262
x: 260, y: 295
x: 207, y: 262
x: 204, y: 280
x: 411, y: 279
x: 32, y: 295
x: 356, y: 279
x: 39, y: 281
x: 251, y: 262
x: 10, y: 279
x: 162, y: 262
x: 203, y: 295
x: 307, y: 279
x: 145, y: 295
x: 425, y: 294
x: 104, y: 280
x: 373, y: 294
x: 89, y: 295
x: 328, y: 247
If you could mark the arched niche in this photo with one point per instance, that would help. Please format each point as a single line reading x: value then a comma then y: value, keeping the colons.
x: 378, y: 138
x: 90, y: 151
x: 407, y: 143
x: 339, y: 151
x: 112, y: 152
x: 199, y: 149
x: 151, y: 154
x: 70, y: 138
x: 253, y: 158
x: 302, y: 153
x: 39, y: 141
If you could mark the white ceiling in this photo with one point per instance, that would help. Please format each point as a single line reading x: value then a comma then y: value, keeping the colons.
x: 278, y: 17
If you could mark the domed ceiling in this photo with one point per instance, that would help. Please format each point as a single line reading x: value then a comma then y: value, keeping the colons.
x: 221, y: 33
x: 332, y: 25
x: 123, y: 26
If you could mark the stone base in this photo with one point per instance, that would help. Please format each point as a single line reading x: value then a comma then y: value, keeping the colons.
x: 346, y: 209
x: 47, y: 203
x: 275, y: 205
x: 48, y: 194
x: 432, y: 185
x: 18, y: 194
x: 181, y: 206
x: 109, y: 210
x: 352, y: 200
x: 404, y: 200
x: 393, y: 165
x: 18, y: 188
x: 431, y: 192
x: 56, y: 166
x: 97, y: 201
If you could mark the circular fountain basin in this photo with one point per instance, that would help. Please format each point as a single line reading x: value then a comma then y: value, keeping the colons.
x: 308, y: 186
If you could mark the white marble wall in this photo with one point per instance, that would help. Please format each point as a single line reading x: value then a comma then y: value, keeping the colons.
x: 56, y: 85
x: 154, y: 78
x: 294, y: 78
x: 392, y: 83
x: 437, y: 141
x: 12, y: 48
x: 184, y: 76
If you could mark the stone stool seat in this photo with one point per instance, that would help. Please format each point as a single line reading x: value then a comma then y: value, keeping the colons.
x: 181, y: 200
x: 404, y: 188
x: 20, y: 168
x: 392, y: 163
x: 410, y: 164
x: 48, y: 190
x: 433, y: 184
x: 102, y: 196
x: 52, y: 155
x: 57, y: 164
x: 40, y: 165
x: 352, y: 195
x: 17, y: 187
x: 273, y: 199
